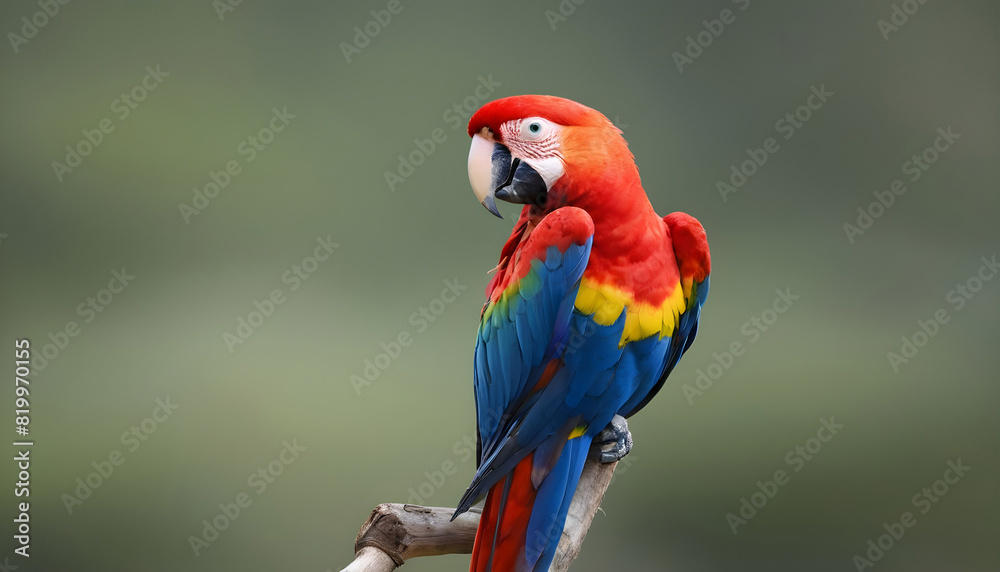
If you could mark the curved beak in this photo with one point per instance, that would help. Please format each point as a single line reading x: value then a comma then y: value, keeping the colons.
x: 494, y: 174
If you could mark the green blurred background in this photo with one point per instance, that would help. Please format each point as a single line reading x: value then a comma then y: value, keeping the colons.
x: 324, y: 176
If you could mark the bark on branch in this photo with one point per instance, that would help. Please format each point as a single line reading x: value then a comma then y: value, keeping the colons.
x: 394, y: 533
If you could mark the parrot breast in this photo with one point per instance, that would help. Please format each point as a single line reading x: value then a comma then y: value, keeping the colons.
x: 607, y: 302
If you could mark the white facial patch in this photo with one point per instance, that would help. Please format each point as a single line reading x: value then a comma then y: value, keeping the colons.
x: 549, y: 168
x: 536, y: 141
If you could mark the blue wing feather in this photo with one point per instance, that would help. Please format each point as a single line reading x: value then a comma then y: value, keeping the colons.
x: 518, y: 338
x: 682, y: 339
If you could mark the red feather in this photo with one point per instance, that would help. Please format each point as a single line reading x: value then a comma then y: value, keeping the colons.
x: 690, y: 244
x: 508, y: 553
x: 557, y: 109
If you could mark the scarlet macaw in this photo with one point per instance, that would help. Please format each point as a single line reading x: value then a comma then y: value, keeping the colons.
x: 592, y: 304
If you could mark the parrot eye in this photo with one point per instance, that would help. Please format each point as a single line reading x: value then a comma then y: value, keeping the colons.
x: 535, y: 128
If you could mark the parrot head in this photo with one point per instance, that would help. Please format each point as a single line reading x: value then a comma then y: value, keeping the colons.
x: 546, y: 152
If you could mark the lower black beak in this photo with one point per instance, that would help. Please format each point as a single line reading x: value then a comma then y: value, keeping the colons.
x: 514, y: 181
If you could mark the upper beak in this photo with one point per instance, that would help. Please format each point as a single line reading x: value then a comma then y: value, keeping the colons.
x: 494, y: 174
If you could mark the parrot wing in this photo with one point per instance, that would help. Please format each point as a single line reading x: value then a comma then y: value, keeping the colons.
x: 694, y: 263
x: 522, y: 333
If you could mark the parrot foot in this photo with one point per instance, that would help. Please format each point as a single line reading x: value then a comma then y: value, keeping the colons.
x: 612, y: 444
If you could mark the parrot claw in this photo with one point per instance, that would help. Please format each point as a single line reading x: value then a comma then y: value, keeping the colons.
x: 613, y: 443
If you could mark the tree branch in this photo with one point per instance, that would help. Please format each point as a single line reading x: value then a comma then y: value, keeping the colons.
x: 394, y: 533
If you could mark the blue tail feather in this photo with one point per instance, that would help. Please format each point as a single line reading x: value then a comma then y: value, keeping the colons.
x: 548, y: 516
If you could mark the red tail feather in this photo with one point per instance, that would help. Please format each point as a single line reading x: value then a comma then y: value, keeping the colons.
x: 508, y: 553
